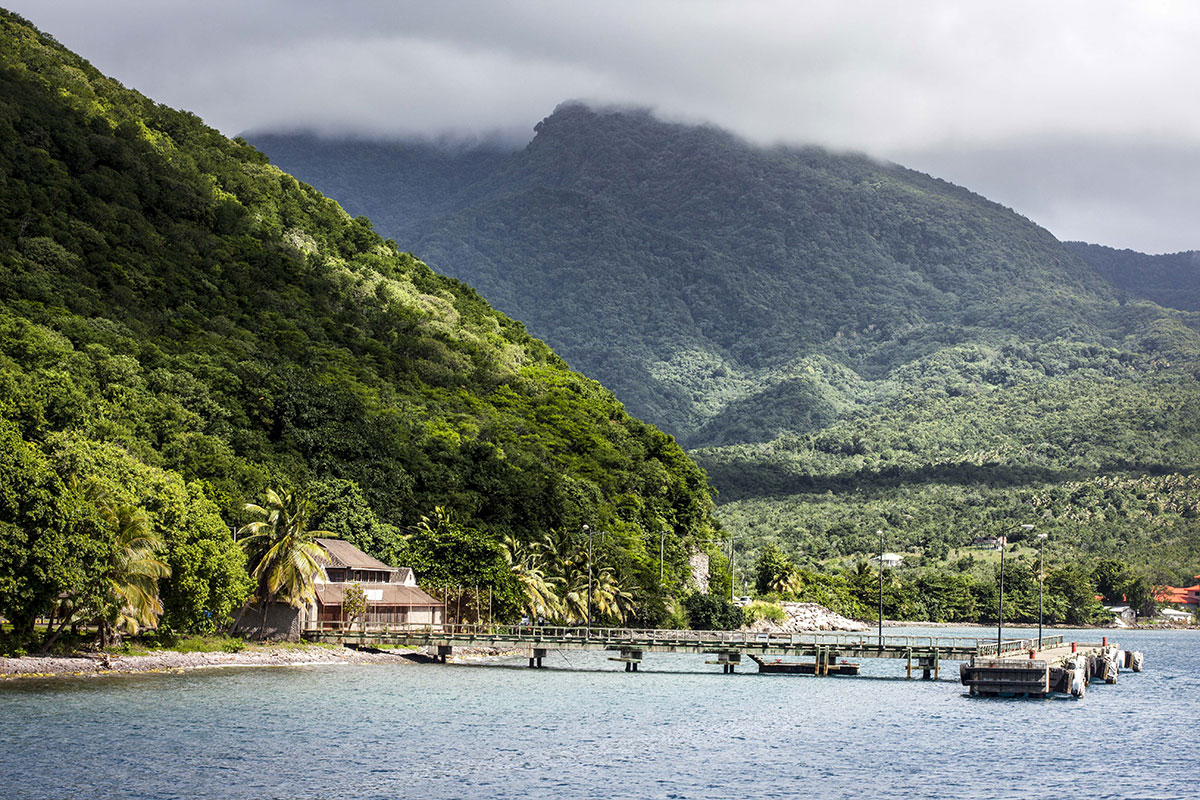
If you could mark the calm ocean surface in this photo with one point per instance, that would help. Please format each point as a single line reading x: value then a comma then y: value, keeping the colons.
x: 582, y: 728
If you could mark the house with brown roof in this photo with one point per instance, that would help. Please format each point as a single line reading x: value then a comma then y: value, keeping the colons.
x: 393, y: 597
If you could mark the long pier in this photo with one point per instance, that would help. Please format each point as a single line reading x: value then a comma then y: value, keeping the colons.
x: 826, y: 653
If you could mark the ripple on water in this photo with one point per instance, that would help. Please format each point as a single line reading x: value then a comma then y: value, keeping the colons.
x: 677, y: 729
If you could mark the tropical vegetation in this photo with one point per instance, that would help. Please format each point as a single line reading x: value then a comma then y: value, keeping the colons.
x: 186, y: 326
x: 561, y: 573
x: 965, y: 590
x: 846, y: 345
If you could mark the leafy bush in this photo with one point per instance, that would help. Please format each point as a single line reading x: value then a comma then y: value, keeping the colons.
x: 759, y: 610
x: 708, y: 612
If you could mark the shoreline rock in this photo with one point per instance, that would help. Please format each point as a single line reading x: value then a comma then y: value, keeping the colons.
x: 172, y: 661
x: 803, y: 617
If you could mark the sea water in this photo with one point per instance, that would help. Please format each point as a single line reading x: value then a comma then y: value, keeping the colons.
x: 584, y: 728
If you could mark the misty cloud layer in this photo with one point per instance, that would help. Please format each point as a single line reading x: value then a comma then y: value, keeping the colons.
x: 1079, y: 114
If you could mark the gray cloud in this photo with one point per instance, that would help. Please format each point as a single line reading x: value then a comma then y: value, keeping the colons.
x: 1139, y: 194
x: 994, y: 95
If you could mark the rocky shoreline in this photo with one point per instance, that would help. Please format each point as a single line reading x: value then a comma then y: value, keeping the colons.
x: 805, y: 617
x: 172, y: 661
x: 100, y: 664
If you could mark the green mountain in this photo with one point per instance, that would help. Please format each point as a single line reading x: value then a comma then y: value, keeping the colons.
x: 846, y: 344
x: 188, y: 325
x: 694, y: 273
x: 1171, y: 279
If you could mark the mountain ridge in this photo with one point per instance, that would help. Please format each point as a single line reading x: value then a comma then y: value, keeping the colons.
x: 834, y: 337
x: 1169, y: 279
x: 623, y: 172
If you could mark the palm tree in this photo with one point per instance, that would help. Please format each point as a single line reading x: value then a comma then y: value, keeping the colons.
x: 786, y: 580
x: 285, y: 559
x: 610, y: 599
x: 134, y: 569
x: 574, y: 600
x: 527, y: 564
x: 126, y: 595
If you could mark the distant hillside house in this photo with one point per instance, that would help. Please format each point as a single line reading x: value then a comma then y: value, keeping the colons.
x: 1124, y: 613
x: 393, y: 597
x: 1179, y: 595
x: 889, y: 559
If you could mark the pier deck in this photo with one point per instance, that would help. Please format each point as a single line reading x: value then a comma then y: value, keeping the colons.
x: 824, y: 649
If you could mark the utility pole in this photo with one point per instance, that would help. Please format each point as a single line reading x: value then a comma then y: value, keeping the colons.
x: 1000, y: 616
x: 879, y: 533
x: 731, y: 567
x: 587, y: 531
x: 1041, y: 582
x: 662, y: 536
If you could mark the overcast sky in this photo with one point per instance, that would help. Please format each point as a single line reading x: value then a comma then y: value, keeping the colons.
x: 1080, y: 114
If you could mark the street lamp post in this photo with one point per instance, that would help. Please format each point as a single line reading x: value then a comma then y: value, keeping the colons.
x: 1000, y: 616
x: 879, y: 533
x: 587, y: 531
x: 662, y: 538
x: 731, y: 567
x: 1041, y: 581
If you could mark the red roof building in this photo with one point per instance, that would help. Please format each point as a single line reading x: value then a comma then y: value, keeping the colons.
x: 1178, y: 595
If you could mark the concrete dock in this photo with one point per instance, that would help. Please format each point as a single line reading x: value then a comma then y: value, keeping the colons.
x: 1064, y: 668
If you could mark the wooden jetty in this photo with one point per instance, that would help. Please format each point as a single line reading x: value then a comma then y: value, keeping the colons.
x: 822, y: 654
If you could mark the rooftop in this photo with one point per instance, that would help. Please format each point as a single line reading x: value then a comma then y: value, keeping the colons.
x: 330, y: 594
x: 1177, y: 594
x: 343, y: 554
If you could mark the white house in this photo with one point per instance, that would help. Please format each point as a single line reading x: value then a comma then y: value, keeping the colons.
x: 1124, y: 613
x: 889, y: 559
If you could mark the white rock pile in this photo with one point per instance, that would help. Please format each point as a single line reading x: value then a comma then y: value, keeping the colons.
x: 801, y: 617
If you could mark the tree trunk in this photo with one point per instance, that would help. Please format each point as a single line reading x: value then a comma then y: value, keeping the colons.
x: 51, y: 639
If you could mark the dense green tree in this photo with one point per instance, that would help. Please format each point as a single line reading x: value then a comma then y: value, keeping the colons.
x: 773, y: 571
x: 452, y: 556
x: 1071, y: 597
x: 48, y: 545
x: 342, y: 509
x: 209, y: 582
x: 708, y: 612
x: 354, y: 603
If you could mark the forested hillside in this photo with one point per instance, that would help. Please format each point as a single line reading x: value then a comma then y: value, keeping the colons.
x: 1171, y: 279
x: 846, y: 344
x: 183, y: 325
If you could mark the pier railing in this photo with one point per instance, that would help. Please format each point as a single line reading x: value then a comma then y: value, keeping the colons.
x: 646, y: 637
x: 1019, y: 646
